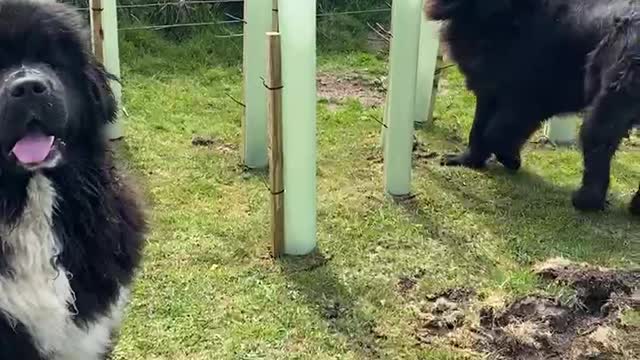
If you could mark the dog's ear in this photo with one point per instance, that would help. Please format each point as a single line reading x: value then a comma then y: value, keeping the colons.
x: 104, y: 101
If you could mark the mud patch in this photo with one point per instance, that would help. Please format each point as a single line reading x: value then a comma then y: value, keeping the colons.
x: 598, y: 290
x: 408, y: 283
x: 443, y: 314
x: 336, y: 89
x: 587, y: 325
x: 422, y: 153
x: 334, y: 310
x: 212, y: 143
x: 459, y: 295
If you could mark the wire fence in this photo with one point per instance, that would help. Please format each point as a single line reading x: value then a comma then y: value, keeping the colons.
x: 226, y: 15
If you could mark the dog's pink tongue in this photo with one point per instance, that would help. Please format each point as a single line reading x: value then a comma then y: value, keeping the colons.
x: 33, y: 148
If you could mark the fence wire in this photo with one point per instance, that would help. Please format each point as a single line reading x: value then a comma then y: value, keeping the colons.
x: 186, y: 4
x: 165, y: 4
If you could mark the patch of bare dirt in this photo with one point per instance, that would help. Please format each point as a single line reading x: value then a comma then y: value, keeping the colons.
x: 443, y: 314
x: 408, y: 283
x: 336, y: 89
x: 543, y: 328
x: 422, y: 153
x: 597, y: 289
x: 212, y: 143
x: 460, y: 295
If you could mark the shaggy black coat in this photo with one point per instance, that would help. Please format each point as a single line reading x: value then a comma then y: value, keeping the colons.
x: 97, y: 220
x: 528, y: 60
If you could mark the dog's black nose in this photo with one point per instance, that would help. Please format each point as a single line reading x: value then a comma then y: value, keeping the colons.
x: 31, y: 86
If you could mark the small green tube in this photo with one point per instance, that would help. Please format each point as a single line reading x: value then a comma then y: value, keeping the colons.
x: 563, y: 130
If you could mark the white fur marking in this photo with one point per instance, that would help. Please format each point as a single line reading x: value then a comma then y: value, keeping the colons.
x: 38, y: 294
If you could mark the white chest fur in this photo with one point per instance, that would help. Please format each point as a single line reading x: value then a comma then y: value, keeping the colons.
x: 38, y: 295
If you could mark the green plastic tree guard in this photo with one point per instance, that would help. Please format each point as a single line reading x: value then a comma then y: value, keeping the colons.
x: 298, y: 37
x: 258, y: 17
x: 427, y: 62
x: 403, y: 65
x: 563, y: 130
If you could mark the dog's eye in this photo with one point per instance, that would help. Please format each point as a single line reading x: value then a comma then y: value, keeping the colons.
x: 54, y: 56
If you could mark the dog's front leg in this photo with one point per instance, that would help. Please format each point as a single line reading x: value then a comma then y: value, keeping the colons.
x: 477, y: 153
x: 509, y: 131
x: 600, y: 136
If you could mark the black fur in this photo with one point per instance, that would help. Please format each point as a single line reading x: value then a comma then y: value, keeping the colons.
x: 98, y: 218
x: 528, y: 60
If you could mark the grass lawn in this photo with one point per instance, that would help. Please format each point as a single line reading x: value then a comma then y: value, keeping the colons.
x: 208, y: 289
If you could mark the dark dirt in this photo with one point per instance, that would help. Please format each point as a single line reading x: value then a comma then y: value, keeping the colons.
x: 210, y: 142
x: 336, y: 89
x: 334, y: 311
x: 459, y: 295
x: 422, y: 152
x: 586, y: 326
x: 594, y: 287
x: 407, y: 283
x: 444, y: 313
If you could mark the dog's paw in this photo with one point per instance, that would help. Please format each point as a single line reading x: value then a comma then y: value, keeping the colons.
x: 465, y: 159
x: 634, y: 206
x: 589, y: 200
x: 511, y: 162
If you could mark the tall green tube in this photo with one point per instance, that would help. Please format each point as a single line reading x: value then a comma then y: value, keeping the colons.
x: 427, y: 62
x: 258, y: 16
x: 298, y: 36
x: 406, y: 17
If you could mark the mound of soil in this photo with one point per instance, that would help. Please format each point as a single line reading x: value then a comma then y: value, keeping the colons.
x: 596, y: 288
x: 586, y: 326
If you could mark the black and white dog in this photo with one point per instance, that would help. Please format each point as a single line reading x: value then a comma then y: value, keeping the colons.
x: 71, y: 228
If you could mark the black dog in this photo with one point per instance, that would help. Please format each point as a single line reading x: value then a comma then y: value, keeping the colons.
x: 71, y: 229
x: 528, y: 60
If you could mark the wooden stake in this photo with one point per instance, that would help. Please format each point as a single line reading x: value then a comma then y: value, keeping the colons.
x: 275, y: 22
x: 98, y: 31
x: 276, y: 180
